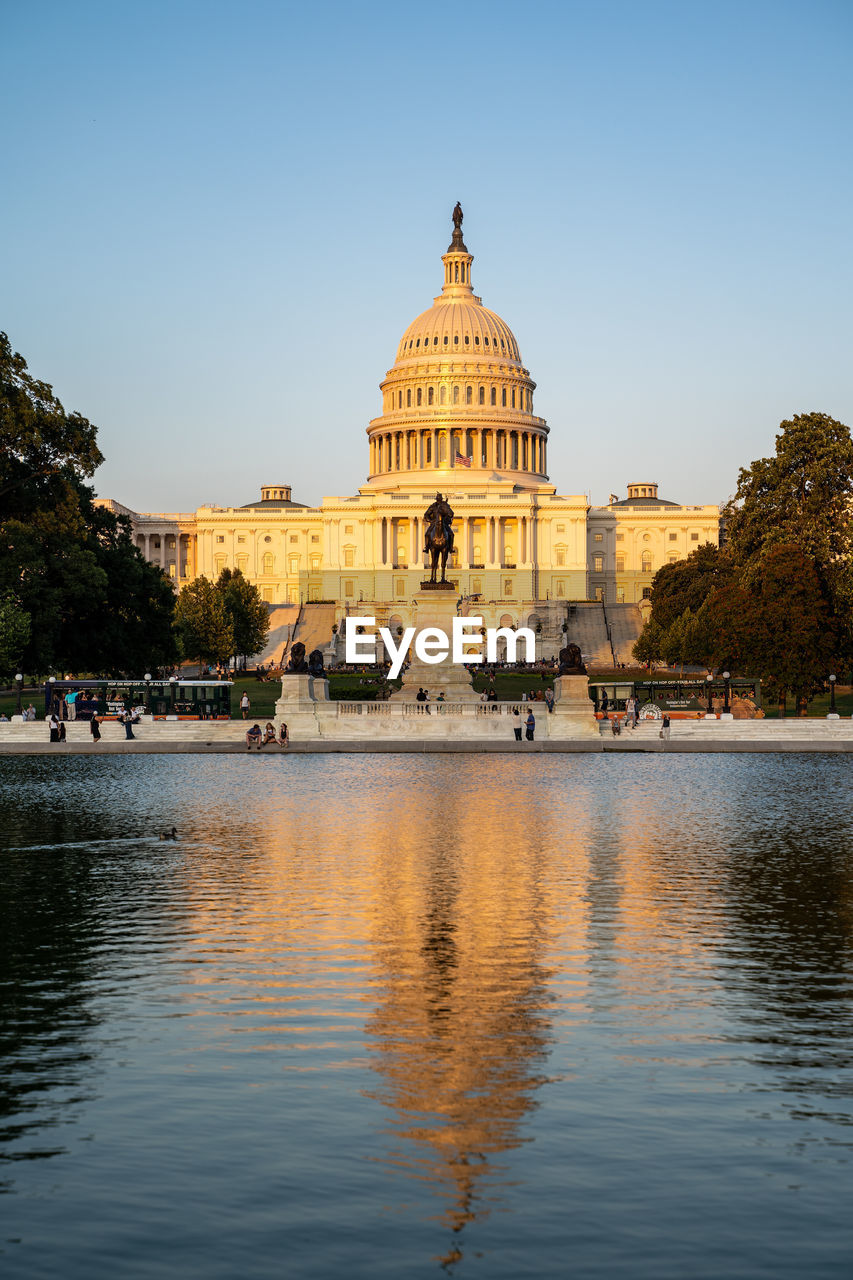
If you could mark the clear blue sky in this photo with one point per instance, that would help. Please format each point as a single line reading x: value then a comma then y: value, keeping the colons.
x: 218, y: 220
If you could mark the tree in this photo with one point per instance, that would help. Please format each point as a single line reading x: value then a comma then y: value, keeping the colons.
x: 203, y: 624
x: 249, y: 615
x: 779, y: 628
x: 14, y: 635
x: 94, y: 603
x: 686, y: 584
x: 649, y: 646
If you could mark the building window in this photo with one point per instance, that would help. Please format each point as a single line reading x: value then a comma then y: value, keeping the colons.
x: 220, y: 563
x: 476, y: 586
x: 482, y: 395
x: 469, y: 395
x: 315, y: 537
x: 673, y: 558
x: 241, y: 538
x: 560, y: 556
x: 420, y: 394
x: 599, y: 593
x: 347, y: 528
x: 349, y: 557
x: 694, y: 537
x: 315, y: 564
x: 430, y: 395
x: 348, y: 587
x: 620, y: 564
x: 400, y: 587
x: 219, y: 538
x: 266, y: 595
x: 503, y: 398
x: 620, y: 537
x: 647, y: 593
x: 294, y: 537
x: 409, y: 398
x: 507, y: 586
x: 598, y: 564
x: 561, y: 528
x: 269, y: 562
x: 242, y: 563
x: 455, y: 395
x: 599, y: 537
x: 673, y: 537
x: 294, y: 566
x: 560, y: 587
x: 647, y: 562
x: 513, y: 397
x: 620, y: 595
x: 442, y: 395
x: 494, y: 392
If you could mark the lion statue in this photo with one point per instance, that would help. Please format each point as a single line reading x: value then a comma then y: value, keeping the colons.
x: 296, y: 664
x: 571, y: 661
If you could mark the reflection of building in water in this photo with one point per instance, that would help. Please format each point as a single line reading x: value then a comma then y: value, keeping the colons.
x: 460, y: 1029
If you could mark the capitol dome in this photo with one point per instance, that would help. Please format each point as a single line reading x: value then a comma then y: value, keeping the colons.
x: 458, y: 399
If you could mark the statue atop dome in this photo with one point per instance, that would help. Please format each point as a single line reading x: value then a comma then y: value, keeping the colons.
x: 457, y: 244
x: 457, y: 217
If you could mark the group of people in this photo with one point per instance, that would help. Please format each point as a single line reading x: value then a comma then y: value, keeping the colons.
x: 258, y: 737
x: 529, y: 725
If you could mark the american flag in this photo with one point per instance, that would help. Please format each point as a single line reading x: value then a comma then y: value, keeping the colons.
x: 462, y: 461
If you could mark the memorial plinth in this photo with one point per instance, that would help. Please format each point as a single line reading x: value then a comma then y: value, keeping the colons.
x: 573, y: 715
x: 435, y: 606
x: 297, y: 707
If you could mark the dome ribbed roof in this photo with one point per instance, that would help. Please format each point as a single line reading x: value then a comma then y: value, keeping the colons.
x: 456, y: 326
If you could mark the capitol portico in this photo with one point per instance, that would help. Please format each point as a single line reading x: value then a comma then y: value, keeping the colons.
x: 457, y: 417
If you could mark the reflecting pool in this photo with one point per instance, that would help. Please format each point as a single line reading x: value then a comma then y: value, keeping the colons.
x: 382, y: 1017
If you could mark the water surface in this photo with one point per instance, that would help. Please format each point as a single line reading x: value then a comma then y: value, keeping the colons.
x: 505, y: 1017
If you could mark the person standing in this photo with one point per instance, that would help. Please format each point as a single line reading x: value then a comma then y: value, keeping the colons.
x: 549, y: 699
x: 530, y: 726
x: 664, y: 729
x: 516, y: 723
x: 95, y: 727
x: 54, y: 726
x: 245, y: 705
x: 127, y: 721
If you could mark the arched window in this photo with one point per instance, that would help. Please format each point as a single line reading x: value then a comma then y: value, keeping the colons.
x: 409, y: 398
x: 430, y: 395
x: 469, y: 395
x: 399, y: 399
x: 269, y: 562
x: 456, y: 395
x: 503, y: 398
x: 494, y: 395
x: 482, y: 395
x: 420, y: 393
x: 442, y: 395
x: 513, y: 397
x: 647, y: 562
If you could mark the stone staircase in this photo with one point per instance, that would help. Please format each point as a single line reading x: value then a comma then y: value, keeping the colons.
x: 314, y: 627
x: 282, y: 621
x: 812, y: 730
x: 626, y: 623
x: 588, y: 629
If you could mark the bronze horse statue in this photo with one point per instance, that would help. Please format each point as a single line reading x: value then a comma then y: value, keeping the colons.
x: 439, y: 536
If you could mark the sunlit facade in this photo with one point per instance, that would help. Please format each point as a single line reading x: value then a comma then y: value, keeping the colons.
x: 457, y: 417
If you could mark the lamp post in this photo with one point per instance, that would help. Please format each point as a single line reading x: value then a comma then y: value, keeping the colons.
x: 833, y: 714
x: 709, y: 680
x: 727, y: 675
x: 51, y: 680
x: 19, y: 681
x: 147, y: 679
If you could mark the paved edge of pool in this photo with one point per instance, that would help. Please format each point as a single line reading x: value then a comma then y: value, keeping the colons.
x: 426, y: 747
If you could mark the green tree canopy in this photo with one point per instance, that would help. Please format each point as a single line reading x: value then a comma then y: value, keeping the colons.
x: 94, y: 603
x: 249, y: 615
x: 687, y: 584
x: 14, y: 635
x: 203, y: 624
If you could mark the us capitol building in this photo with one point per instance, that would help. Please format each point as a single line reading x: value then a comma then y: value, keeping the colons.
x: 457, y: 418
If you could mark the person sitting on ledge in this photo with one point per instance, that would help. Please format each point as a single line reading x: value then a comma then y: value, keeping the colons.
x: 253, y: 737
x: 269, y: 734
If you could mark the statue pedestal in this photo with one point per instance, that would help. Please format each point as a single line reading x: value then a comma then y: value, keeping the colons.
x: 435, y: 606
x: 296, y: 706
x: 573, y: 715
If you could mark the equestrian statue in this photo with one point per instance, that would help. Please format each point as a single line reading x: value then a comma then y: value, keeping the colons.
x: 438, y: 520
